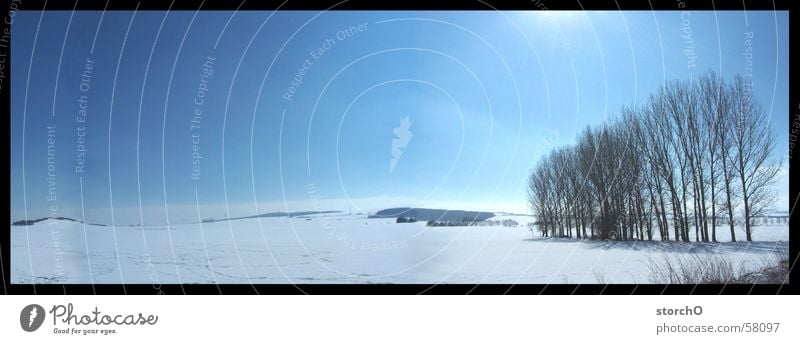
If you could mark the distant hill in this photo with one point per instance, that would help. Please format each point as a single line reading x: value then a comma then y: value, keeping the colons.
x: 32, y: 222
x: 276, y: 214
x: 423, y: 214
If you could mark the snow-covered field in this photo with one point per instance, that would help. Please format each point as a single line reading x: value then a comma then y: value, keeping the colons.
x: 337, y: 248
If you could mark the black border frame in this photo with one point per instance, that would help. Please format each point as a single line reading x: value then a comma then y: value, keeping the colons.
x: 793, y: 287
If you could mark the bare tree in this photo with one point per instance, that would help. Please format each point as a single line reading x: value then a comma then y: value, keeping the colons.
x: 691, y: 146
x: 714, y: 107
x: 753, y: 144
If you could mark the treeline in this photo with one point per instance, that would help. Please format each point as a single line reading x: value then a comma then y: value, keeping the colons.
x: 471, y: 222
x: 695, y: 156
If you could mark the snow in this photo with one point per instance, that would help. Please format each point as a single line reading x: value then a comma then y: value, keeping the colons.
x: 338, y: 248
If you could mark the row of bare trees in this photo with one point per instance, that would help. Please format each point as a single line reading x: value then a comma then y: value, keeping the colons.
x: 695, y: 156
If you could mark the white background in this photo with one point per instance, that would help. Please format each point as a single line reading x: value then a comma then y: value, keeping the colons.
x: 408, y: 319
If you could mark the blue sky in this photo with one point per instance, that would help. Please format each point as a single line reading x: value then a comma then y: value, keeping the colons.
x: 487, y: 93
